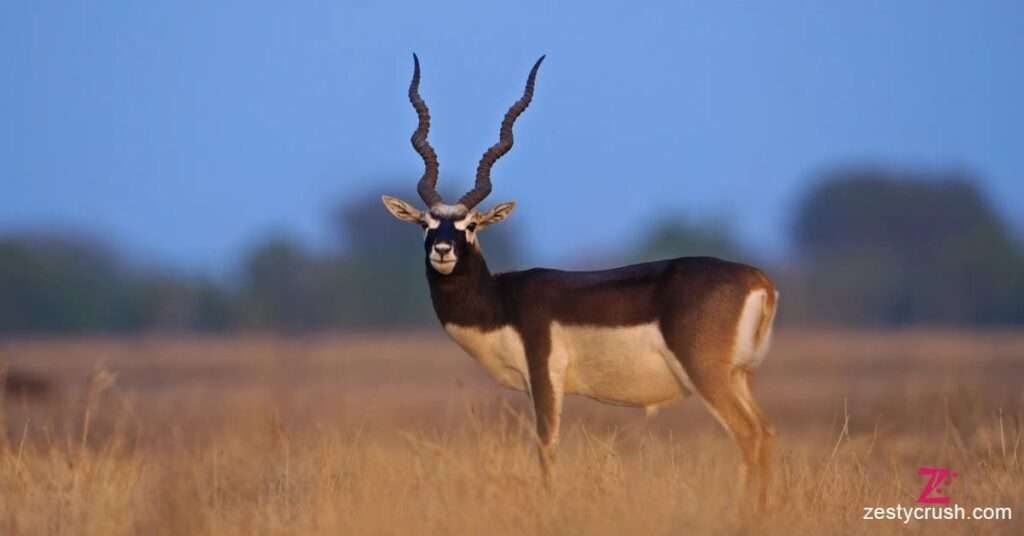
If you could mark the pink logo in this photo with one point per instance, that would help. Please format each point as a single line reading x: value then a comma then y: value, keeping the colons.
x: 937, y: 476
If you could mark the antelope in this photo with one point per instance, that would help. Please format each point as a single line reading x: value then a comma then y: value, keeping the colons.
x: 642, y: 335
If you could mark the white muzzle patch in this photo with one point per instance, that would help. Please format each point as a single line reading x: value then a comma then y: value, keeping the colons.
x: 446, y: 264
x: 444, y: 267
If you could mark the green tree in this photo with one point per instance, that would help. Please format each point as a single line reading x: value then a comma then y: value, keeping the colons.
x: 282, y: 287
x: 895, y: 248
x: 70, y: 284
x: 55, y: 283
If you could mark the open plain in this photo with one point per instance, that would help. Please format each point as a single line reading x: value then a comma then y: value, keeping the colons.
x: 402, y: 433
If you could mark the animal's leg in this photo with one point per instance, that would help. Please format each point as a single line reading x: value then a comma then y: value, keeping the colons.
x: 720, y: 389
x: 547, y: 390
x: 743, y: 380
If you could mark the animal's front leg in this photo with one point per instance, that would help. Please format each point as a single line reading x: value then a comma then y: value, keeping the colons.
x: 547, y: 390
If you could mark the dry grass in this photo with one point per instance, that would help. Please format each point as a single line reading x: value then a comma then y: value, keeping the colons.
x: 397, y: 434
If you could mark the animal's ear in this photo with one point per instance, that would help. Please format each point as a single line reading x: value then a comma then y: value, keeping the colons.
x: 498, y: 213
x: 402, y: 210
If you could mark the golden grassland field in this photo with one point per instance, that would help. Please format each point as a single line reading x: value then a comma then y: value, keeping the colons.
x: 402, y: 433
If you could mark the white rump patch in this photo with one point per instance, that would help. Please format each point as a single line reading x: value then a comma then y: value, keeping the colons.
x: 749, y: 351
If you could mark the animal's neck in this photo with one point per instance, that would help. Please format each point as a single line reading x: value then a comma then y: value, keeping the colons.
x: 469, y: 295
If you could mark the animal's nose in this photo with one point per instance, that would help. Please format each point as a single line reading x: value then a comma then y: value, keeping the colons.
x: 442, y: 248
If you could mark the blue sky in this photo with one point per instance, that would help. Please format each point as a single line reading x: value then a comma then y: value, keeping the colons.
x: 185, y: 131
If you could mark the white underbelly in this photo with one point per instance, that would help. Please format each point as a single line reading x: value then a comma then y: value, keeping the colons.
x: 620, y: 365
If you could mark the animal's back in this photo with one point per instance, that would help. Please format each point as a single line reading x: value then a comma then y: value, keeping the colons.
x: 629, y: 295
x: 608, y: 328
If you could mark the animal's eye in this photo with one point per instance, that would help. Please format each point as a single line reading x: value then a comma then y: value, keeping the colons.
x: 471, y: 227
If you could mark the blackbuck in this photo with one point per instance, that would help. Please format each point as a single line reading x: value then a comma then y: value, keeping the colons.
x: 641, y: 335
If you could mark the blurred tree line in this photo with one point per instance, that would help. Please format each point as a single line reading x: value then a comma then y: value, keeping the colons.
x: 896, y: 248
x: 871, y: 247
x: 372, y: 276
x: 73, y: 285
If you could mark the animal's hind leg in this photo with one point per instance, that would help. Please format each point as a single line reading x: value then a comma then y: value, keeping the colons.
x: 742, y: 379
x: 719, y: 389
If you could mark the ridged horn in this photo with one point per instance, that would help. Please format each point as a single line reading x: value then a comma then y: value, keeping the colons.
x: 428, y: 182
x: 483, y: 170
